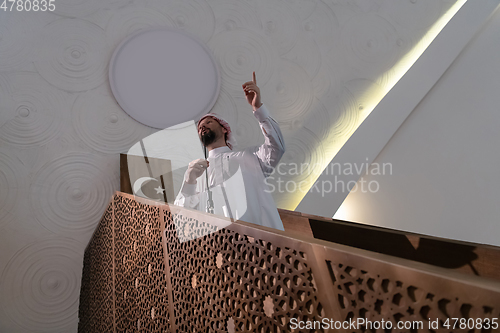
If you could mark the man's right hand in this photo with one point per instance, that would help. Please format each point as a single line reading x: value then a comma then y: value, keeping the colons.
x: 195, y: 170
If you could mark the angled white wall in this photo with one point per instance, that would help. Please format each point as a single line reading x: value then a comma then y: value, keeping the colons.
x: 445, y: 178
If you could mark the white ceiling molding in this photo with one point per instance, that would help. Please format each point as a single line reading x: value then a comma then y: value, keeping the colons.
x: 155, y: 75
x: 378, y: 128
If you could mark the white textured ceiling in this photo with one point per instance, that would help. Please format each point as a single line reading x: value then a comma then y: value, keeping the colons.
x: 61, y: 130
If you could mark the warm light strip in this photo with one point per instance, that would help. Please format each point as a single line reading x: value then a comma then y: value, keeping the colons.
x: 372, y: 98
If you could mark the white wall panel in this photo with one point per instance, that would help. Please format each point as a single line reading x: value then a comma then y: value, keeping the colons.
x: 445, y: 180
x: 380, y: 125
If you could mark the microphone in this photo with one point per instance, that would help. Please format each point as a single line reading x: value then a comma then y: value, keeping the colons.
x: 210, y: 202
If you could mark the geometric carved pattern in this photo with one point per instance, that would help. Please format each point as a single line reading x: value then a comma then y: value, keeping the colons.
x: 123, y: 283
x: 254, y: 272
x: 186, y: 228
x: 140, y: 288
x: 147, y: 269
x: 96, y: 293
x: 372, y: 296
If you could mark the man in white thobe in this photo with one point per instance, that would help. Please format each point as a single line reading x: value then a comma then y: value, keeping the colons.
x: 237, y: 187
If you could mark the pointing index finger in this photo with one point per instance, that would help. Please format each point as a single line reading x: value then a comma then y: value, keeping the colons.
x: 253, y: 78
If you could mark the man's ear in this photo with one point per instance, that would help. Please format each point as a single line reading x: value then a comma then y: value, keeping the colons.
x: 224, y: 130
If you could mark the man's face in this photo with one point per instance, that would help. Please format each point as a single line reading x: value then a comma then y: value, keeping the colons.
x: 209, y: 130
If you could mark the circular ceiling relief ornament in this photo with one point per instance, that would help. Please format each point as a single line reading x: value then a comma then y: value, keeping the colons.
x: 163, y: 77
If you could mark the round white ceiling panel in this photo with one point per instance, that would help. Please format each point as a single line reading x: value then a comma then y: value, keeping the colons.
x: 163, y: 77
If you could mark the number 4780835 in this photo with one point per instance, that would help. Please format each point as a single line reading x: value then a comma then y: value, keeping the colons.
x: 28, y: 5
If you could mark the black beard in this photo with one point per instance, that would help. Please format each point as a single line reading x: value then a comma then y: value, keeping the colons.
x: 208, y: 137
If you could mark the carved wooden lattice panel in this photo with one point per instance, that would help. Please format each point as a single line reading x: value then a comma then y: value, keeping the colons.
x: 140, y: 283
x: 148, y: 270
x: 225, y: 281
x: 386, y: 294
x: 96, y: 299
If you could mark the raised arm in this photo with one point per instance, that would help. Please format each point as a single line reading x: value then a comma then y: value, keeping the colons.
x: 270, y: 153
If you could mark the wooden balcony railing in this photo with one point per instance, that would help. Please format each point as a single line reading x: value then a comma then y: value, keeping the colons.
x: 151, y: 267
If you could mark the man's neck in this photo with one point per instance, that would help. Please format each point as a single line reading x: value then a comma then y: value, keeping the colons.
x: 216, y: 144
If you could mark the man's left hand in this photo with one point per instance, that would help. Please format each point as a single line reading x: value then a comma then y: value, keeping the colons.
x: 252, y: 93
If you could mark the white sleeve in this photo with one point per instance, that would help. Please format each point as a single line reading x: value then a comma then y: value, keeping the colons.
x: 188, y: 196
x: 270, y: 153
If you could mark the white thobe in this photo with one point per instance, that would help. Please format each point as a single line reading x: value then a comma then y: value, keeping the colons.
x: 237, y: 179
